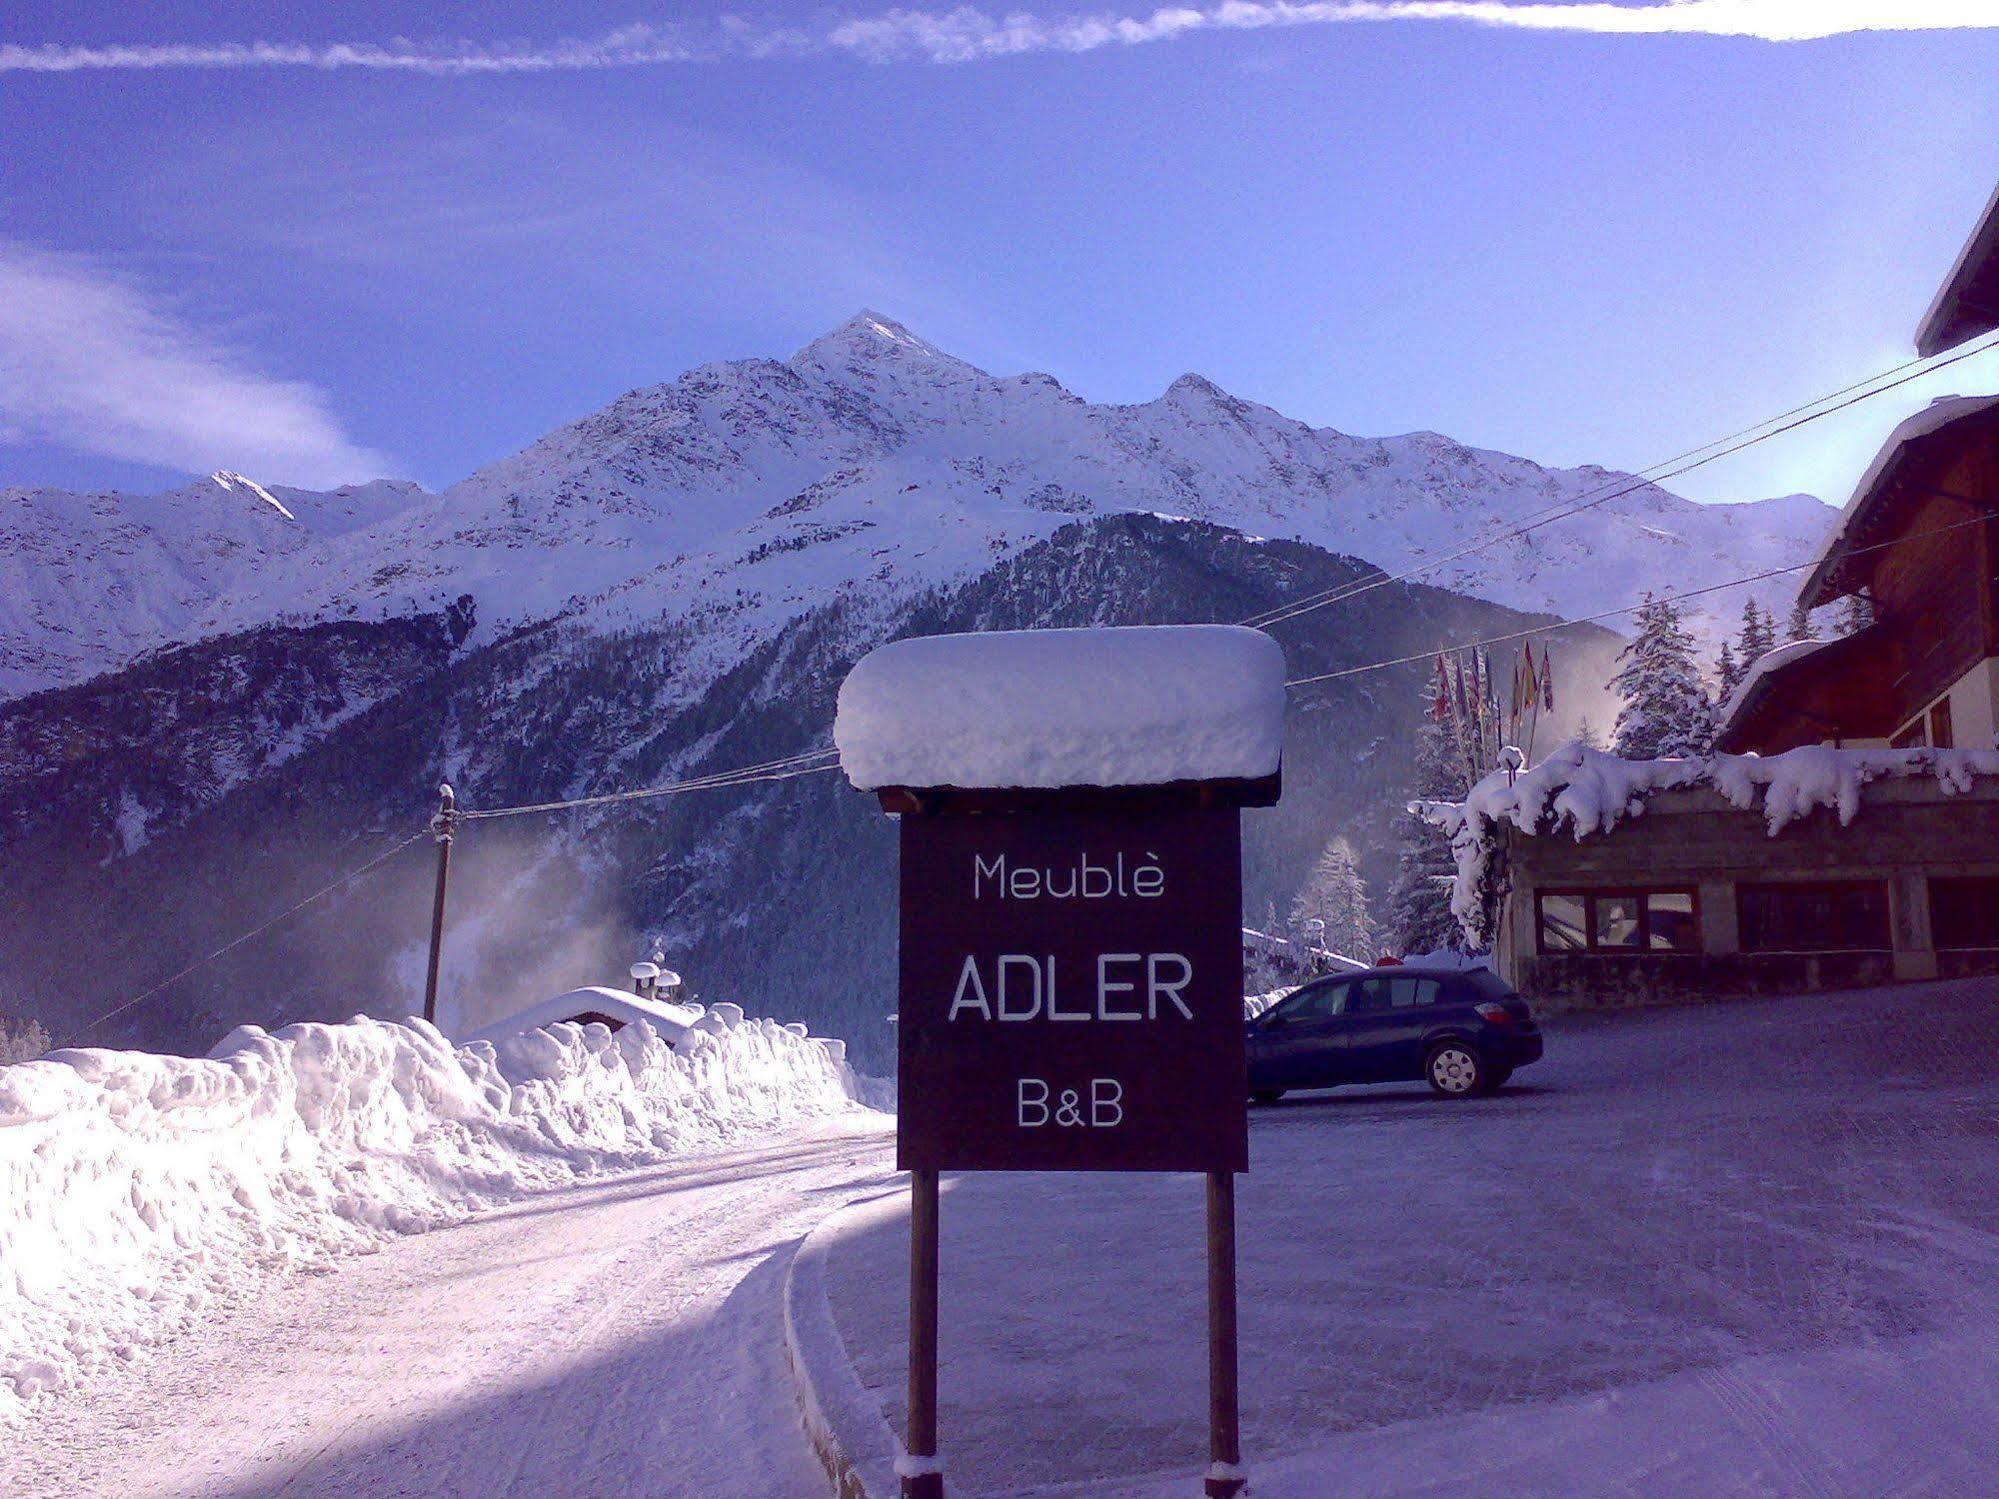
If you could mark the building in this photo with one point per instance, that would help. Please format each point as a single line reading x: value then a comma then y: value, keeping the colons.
x: 1919, y: 542
x: 1847, y: 832
x: 1698, y: 897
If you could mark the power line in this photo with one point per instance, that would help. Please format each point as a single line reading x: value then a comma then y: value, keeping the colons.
x: 787, y: 768
x: 790, y: 767
x: 1690, y: 593
x: 1777, y: 426
x: 255, y: 931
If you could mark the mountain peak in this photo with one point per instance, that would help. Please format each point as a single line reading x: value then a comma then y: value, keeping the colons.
x: 232, y: 482
x: 870, y: 337
x: 1191, y: 384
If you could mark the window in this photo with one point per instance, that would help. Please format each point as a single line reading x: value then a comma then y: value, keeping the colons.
x: 1564, y: 923
x: 1616, y: 921
x: 1486, y: 984
x: 1404, y: 994
x: 1612, y: 921
x: 1313, y: 1002
x: 1850, y: 916
x: 1941, y: 735
x: 1964, y: 912
x: 1670, y: 921
x: 1911, y: 737
x: 1366, y: 996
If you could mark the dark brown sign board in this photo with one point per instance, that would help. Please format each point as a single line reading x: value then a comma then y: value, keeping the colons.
x: 1071, y: 987
x: 1071, y: 1000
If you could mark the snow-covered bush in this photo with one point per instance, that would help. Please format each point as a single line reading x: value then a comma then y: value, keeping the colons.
x: 21, y: 1040
x: 135, y: 1189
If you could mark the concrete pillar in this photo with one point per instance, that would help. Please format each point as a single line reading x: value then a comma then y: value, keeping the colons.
x: 1720, y: 932
x: 1515, y: 938
x: 1909, y: 926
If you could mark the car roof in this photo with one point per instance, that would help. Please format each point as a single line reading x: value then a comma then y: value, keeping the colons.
x: 1408, y: 971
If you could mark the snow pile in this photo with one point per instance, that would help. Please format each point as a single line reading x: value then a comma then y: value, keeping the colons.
x: 137, y: 1189
x: 1588, y: 791
x: 1138, y: 706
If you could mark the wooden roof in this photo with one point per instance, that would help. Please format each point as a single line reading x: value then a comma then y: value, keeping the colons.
x: 1968, y: 302
x: 1906, y: 467
x: 1839, y: 691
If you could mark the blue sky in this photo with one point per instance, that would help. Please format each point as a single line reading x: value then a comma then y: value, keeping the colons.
x: 1576, y: 244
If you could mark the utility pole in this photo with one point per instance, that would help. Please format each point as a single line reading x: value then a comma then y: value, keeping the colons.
x: 442, y: 824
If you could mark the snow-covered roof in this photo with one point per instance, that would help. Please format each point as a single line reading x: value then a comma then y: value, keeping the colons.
x: 670, y: 1020
x: 1760, y: 668
x: 1140, y: 706
x: 1586, y: 791
x: 1940, y: 413
x: 1953, y: 315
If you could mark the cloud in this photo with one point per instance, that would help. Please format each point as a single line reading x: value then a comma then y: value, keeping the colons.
x: 967, y: 34
x: 633, y: 46
x: 90, y: 362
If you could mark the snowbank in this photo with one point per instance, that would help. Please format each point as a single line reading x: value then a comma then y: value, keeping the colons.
x: 1588, y: 791
x: 1140, y: 706
x: 136, y: 1189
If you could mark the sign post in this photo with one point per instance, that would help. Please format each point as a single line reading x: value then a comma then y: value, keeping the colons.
x: 1070, y: 970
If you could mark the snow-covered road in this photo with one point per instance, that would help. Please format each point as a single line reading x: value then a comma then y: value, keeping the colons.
x: 622, y: 1337
x: 1742, y: 1249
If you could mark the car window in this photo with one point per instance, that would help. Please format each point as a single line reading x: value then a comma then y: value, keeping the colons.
x: 1404, y: 993
x: 1312, y: 1001
x: 1366, y: 997
x: 1485, y: 984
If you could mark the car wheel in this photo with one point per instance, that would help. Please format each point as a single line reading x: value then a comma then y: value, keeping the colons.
x: 1454, y: 1070
x: 1266, y: 1095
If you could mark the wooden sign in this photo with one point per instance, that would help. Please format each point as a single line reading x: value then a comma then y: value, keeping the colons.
x: 1071, y: 990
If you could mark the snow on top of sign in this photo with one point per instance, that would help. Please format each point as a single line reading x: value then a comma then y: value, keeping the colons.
x: 1138, y: 706
x: 1589, y: 792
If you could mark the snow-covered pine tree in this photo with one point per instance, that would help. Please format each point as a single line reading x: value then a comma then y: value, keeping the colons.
x: 1336, y: 895
x: 1856, y: 613
x: 1666, y: 712
x: 1727, y: 671
x: 1759, y: 635
x: 1799, y: 625
x: 1262, y: 970
x: 1419, y: 915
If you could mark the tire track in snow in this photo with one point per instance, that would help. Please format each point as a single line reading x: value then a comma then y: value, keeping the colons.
x: 1771, y: 1430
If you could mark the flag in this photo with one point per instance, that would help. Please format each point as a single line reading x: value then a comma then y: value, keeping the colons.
x: 1441, y: 708
x: 1547, y: 680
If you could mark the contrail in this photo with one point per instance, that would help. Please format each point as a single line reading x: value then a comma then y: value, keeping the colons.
x: 968, y: 34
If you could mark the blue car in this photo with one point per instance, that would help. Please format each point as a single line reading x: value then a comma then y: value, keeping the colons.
x: 1463, y: 1031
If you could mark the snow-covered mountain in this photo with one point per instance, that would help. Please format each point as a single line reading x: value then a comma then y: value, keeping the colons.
x: 742, y: 494
x: 89, y: 581
x: 674, y: 586
x: 171, y: 806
